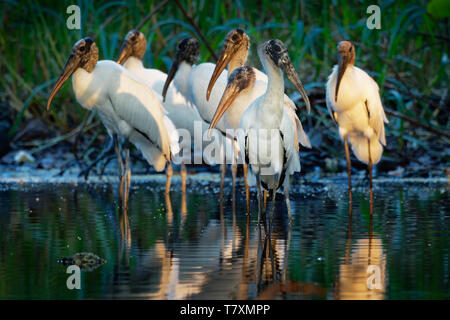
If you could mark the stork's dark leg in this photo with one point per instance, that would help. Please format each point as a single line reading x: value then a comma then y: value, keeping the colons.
x: 120, y: 166
x: 127, y: 177
x: 183, y: 204
x: 233, y: 177
x: 125, y: 228
x: 223, y: 170
x: 272, y: 209
x: 234, y: 168
x: 260, y: 195
x: 288, y: 202
x: 169, y: 173
x: 183, y: 174
x: 349, y: 169
x: 247, y: 189
x: 265, y: 195
x: 369, y: 166
x: 169, y: 209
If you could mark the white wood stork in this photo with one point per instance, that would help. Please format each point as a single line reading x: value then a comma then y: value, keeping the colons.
x: 269, y: 136
x: 180, y: 111
x: 354, y: 102
x: 127, y: 107
x: 190, y: 81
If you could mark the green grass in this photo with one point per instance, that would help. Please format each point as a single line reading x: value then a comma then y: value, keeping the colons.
x: 408, y: 56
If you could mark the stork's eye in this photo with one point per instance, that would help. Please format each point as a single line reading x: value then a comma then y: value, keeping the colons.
x: 82, y: 48
x: 182, y: 45
x: 234, y: 37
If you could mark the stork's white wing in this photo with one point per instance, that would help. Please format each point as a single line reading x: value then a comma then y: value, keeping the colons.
x: 330, y: 90
x: 290, y: 144
x: 139, y: 107
x: 377, y: 117
x: 299, y: 134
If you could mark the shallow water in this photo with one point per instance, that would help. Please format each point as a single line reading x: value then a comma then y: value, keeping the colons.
x: 201, y: 249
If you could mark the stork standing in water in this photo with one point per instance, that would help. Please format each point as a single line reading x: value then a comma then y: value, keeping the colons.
x: 234, y: 54
x: 127, y: 107
x: 181, y: 112
x: 269, y: 136
x: 191, y: 81
x: 130, y: 56
x: 354, y: 102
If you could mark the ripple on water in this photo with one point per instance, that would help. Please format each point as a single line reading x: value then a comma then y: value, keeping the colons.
x: 204, y: 250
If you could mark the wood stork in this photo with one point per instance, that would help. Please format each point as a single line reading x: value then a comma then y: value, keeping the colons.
x: 234, y: 54
x: 269, y: 136
x: 127, y: 107
x: 354, y: 102
x: 181, y: 112
x: 190, y: 80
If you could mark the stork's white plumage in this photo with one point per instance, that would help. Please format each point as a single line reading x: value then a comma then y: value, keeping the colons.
x: 269, y: 137
x: 354, y: 102
x: 180, y: 111
x: 126, y: 106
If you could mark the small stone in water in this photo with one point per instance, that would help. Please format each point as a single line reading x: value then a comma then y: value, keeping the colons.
x: 23, y: 156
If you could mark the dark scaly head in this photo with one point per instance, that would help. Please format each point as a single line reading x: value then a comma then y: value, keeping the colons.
x: 278, y: 54
x: 240, y: 79
x: 236, y: 48
x: 84, y: 55
x: 134, y: 45
x: 188, y: 50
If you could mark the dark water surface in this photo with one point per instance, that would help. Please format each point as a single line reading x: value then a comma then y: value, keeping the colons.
x: 200, y: 249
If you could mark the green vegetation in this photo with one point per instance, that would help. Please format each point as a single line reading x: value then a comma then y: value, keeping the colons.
x: 408, y: 56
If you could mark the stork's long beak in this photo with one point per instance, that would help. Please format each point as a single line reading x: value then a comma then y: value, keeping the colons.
x: 231, y: 92
x: 124, y: 53
x: 292, y: 75
x: 225, y: 57
x: 70, y: 67
x: 171, y: 75
x: 344, y: 60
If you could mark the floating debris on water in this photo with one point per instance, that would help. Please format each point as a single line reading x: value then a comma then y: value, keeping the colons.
x: 87, y: 261
x: 23, y: 157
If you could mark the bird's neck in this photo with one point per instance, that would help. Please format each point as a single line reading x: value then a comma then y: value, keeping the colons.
x: 275, y: 89
x: 85, y: 93
x: 181, y: 79
x: 236, y: 63
x: 133, y: 63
